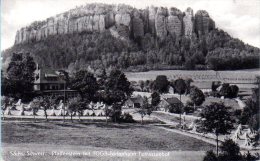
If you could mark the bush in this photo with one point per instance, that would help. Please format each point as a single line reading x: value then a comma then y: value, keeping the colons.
x: 175, y: 109
x: 237, y: 112
x: 189, y: 64
x: 188, y: 109
x: 249, y: 157
x: 254, y: 122
x: 210, y: 156
x: 230, y: 151
x: 127, y: 118
x: 229, y: 91
x: 214, y: 94
x: 207, y: 94
x: 200, y: 67
x: 114, y: 115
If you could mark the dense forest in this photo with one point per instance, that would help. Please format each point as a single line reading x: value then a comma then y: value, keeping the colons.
x: 214, y: 49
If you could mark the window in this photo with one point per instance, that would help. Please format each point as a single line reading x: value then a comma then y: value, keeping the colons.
x: 37, y: 77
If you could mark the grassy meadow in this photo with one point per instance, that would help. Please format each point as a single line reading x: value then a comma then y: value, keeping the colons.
x: 80, y: 137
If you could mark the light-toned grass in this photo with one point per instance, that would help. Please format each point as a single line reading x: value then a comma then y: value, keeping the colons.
x: 57, y: 136
x: 119, y: 136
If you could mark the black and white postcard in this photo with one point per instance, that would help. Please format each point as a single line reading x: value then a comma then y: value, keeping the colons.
x: 130, y: 80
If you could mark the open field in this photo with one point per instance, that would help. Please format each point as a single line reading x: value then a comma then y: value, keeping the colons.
x: 237, y: 76
x: 130, y: 137
x: 118, y: 136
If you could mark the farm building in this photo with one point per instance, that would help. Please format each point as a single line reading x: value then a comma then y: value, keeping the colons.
x: 235, y: 104
x: 168, y: 102
x: 135, y: 102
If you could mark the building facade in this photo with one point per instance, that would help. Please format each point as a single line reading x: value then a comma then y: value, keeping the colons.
x: 50, y: 82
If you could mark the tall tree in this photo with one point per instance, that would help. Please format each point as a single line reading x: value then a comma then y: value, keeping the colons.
x: 197, y: 96
x: 35, y: 105
x: 161, y: 84
x: 20, y: 73
x: 141, y: 84
x: 46, y: 102
x: 76, y: 106
x: 217, y: 119
x: 86, y: 84
x: 230, y: 151
x: 250, y: 114
x: 233, y: 91
x: 188, y: 85
x: 73, y: 105
x: 117, y: 91
x: 155, y: 99
x: 145, y: 109
x: 180, y: 88
x: 102, y: 79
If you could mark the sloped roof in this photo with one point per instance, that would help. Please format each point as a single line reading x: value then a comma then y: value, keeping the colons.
x: 46, y: 75
x: 227, y: 102
x: 172, y: 100
x: 138, y: 99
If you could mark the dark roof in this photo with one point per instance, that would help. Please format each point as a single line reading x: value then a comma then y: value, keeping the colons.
x: 47, y: 75
x: 173, y: 100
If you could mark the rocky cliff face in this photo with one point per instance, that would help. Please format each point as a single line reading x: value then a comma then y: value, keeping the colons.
x: 122, y: 20
x: 175, y: 22
x: 203, y: 23
x: 188, y: 22
x: 138, y: 25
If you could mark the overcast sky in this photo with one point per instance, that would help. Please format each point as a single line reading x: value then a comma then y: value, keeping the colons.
x: 240, y: 18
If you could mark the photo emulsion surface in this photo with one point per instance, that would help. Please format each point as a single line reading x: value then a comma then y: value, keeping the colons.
x: 130, y: 80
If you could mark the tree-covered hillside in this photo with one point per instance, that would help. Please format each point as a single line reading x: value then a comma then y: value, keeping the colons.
x: 217, y: 50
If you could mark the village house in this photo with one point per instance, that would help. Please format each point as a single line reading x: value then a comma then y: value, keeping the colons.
x: 134, y: 102
x: 50, y: 82
x: 168, y: 102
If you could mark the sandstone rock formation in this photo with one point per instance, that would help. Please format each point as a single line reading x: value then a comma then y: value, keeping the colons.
x: 109, y: 20
x: 188, y: 22
x: 174, y: 22
x: 152, y: 13
x: 122, y: 20
x: 138, y: 25
x: 144, y: 15
x: 160, y: 22
x: 203, y: 23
